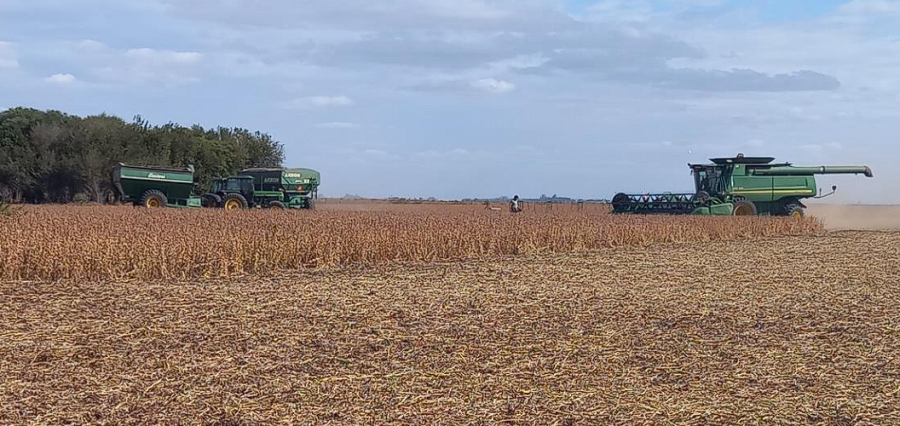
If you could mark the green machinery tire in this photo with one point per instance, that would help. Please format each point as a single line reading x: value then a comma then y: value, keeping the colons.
x: 234, y: 202
x: 745, y: 208
x: 794, y: 210
x: 277, y: 205
x: 153, y: 198
x: 211, y: 200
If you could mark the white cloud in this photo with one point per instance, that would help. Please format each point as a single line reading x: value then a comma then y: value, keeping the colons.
x: 311, y: 102
x: 379, y: 154
x: 163, y: 56
x: 61, y: 79
x: 433, y: 153
x: 336, y: 125
x: 97, y: 62
x: 8, y: 55
x: 871, y: 7
x: 491, y: 85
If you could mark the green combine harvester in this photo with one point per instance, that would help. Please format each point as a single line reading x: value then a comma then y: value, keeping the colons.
x: 739, y: 186
x: 155, y: 186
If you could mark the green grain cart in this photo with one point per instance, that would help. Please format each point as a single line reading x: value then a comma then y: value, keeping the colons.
x: 155, y: 186
x: 297, y: 187
x: 266, y: 188
x: 740, y: 186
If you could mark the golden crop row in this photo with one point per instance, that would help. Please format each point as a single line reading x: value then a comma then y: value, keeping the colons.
x: 119, y: 243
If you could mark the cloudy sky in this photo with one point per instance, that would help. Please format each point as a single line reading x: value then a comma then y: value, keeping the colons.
x: 461, y: 98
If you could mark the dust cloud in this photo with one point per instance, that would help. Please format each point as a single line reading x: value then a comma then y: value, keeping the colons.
x: 857, y: 217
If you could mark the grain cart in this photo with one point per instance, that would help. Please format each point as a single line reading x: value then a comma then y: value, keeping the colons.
x: 265, y: 188
x: 155, y: 186
x: 298, y: 187
x: 740, y: 186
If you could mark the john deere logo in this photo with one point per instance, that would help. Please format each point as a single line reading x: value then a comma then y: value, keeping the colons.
x: 293, y: 175
x: 156, y: 176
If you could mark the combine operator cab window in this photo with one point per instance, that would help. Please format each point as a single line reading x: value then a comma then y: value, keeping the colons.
x: 709, y: 180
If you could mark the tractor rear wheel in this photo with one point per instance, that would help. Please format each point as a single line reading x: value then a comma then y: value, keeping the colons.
x: 277, y: 205
x: 745, y: 208
x: 153, y: 198
x: 234, y: 202
x: 794, y: 210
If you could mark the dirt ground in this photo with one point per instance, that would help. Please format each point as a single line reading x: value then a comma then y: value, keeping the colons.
x: 789, y: 330
x: 857, y: 217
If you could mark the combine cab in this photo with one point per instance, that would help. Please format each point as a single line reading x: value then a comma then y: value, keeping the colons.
x: 740, y: 186
x: 155, y: 186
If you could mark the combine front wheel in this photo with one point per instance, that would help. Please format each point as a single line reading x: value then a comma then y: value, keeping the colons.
x: 794, y: 211
x: 745, y: 208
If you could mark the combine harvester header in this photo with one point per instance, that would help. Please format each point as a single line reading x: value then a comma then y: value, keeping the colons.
x: 740, y: 186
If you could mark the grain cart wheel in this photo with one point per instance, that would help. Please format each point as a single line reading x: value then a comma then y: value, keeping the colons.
x: 310, y: 204
x: 794, y: 210
x: 277, y: 205
x: 235, y: 202
x: 745, y: 208
x: 153, y: 198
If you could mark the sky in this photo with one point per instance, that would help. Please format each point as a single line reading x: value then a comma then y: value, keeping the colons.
x: 480, y: 98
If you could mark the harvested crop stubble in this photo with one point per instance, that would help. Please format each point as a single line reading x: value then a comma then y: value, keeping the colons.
x: 786, y: 331
x: 61, y: 242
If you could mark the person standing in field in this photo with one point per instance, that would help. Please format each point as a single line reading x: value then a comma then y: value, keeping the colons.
x: 514, y: 205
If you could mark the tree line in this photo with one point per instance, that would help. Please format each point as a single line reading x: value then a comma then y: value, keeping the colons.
x: 51, y: 156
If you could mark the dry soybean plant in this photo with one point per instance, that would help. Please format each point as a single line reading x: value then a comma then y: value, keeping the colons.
x: 120, y: 243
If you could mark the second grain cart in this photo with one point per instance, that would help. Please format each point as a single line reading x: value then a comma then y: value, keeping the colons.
x: 155, y: 186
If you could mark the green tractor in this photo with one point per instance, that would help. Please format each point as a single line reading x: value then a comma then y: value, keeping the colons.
x: 265, y: 188
x: 232, y: 193
x: 740, y: 186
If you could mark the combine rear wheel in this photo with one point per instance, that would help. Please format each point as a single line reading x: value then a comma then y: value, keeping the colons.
x: 793, y: 210
x: 154, y: 199
x: 235, y: 202
x: 744, y: 208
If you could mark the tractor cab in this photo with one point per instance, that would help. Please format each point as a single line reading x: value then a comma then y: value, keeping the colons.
x: 232, y: 193
x: 239, y: 184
